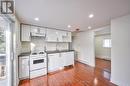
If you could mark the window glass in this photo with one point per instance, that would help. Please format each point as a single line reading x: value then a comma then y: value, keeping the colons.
x: 107, y: 43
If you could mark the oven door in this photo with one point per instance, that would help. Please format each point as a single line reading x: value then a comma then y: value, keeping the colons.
x: 37, y: 63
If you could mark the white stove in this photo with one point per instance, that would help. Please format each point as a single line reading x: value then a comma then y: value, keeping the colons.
x: 38, y: 64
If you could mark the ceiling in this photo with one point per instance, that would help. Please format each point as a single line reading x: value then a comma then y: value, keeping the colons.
x: 61, y: 13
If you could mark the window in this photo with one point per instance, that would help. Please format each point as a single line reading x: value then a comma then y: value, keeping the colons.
x: 107, y: 43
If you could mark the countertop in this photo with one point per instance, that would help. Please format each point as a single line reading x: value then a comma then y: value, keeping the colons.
x: 49, y: 52
x: 25, y: 54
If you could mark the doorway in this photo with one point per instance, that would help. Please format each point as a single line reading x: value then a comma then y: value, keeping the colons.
x: 103, y: 49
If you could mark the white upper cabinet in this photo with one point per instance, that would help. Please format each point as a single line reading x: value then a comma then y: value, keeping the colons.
x: 42, y: 31
x: 67, y: 37
x: 38, y: 31
x: 51, y: 35
x: 25, y: 33
x: 58, y: 36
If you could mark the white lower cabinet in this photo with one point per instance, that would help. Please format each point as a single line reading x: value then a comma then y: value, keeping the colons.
x: 59, y: 60
x: 24, y: 67
x: 53, y: 62
x: 68, y: 58
x: 51, y: 35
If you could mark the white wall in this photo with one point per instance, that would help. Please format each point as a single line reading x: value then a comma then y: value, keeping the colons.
x: 17, y: 51
x: 83, y: 44
x: 120, y: 53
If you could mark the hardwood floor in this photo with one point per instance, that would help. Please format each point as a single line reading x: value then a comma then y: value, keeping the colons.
x: 103, y: 64
x: 79, y: 75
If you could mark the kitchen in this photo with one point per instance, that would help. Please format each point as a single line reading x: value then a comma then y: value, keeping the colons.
x: 44, y: 50
x: 64, y: 43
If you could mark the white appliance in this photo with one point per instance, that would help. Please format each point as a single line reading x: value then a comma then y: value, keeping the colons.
x: 38, y: 64
x: 6, y: 52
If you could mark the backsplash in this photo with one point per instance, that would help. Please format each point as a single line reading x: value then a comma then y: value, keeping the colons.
x: 25, y: 47
x: 39, y: 44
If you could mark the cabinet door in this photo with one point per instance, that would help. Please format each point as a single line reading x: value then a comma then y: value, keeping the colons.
x: 24, y: 67
x: 25, y: 33
x: 69, y: 37
x: 42, y: 31
x: 34, y: 29
x: 60, y: 36
x: 51, y: 35
x: 69, y: 58
x: 61, y: 60
x: 64, y: 58
x: 53, y: 62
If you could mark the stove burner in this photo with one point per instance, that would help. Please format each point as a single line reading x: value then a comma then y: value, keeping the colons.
x: 34, y: 53
x: 41, y: 52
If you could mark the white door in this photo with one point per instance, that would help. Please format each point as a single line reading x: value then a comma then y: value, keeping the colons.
x: 53, y: 62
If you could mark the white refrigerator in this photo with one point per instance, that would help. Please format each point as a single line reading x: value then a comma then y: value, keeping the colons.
x: 6, y: 52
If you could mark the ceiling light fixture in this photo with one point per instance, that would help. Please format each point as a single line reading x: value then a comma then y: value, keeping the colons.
x: 69, y: 26
x: 91, y: 16
x: 89, y: 27
x: 36, y: 19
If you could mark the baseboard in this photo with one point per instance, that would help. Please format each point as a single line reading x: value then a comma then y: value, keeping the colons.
x: 84, y: 62
x: 105, y: 58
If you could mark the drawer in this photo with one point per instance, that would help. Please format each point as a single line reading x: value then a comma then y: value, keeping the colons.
x: 37, y: 73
